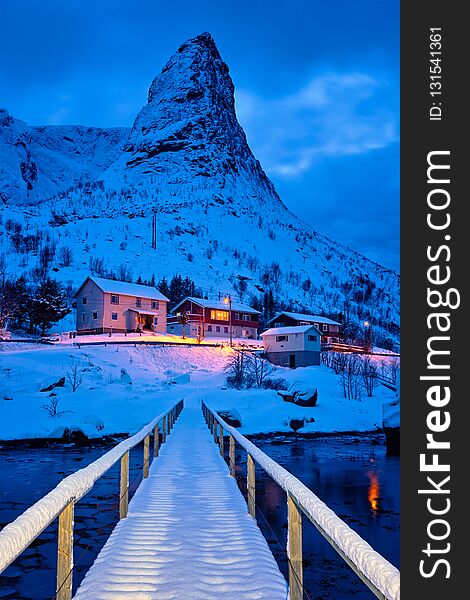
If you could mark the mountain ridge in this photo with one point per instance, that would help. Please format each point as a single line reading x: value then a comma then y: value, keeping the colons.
x: 220, y: 219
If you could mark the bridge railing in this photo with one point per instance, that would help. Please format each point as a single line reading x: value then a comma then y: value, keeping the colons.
x: 18, y: 535
x: 373, y: 569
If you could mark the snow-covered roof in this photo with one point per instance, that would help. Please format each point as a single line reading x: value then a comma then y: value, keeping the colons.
x: 303, y: 317
x: 109, y: 286
x: 289, y: 330
x: 219, y: 305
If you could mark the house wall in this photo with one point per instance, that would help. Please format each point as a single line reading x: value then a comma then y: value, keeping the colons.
x: 97, y: 300
x: 94, y: 302
x: 303, y: 358
x: 191, y: 330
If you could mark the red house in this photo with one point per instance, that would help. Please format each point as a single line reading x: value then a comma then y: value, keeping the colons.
x: 213, y: 318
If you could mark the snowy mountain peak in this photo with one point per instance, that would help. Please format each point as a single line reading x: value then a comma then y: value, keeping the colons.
x: 188, y: 137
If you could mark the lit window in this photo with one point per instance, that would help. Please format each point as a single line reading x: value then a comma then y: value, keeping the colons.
x: 114, y: 299
x: 219, y: 315
x: 282, y: 338
x: 138, y: 302
x: 95, y: 314
x: 155, y: 304
x: 312, y: 338
x: 114, y: 316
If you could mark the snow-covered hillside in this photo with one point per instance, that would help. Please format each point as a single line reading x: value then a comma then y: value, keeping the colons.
x: 220, y: 220
x: 38, y: 162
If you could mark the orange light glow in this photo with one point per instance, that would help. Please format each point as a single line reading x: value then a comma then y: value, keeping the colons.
x: 374, y: 491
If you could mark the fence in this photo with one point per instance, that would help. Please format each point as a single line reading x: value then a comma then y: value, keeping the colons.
x: 60, y: 502
x: 382, y: 578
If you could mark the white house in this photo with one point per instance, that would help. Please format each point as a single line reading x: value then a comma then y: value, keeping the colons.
x: 297, y: 346
x: 105, y: 305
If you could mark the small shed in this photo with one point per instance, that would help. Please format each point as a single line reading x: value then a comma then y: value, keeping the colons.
x: 297, y: 346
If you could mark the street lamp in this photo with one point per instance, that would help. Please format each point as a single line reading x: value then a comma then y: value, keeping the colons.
x: 228, y: 300
x: 368, y: 335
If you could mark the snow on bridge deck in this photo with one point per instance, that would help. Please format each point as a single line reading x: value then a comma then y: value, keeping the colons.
x: 187, y: 534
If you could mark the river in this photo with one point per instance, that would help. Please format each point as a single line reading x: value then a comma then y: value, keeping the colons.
x: 351, y: 474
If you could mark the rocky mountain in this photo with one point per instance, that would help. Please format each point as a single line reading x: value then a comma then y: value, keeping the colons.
x: 220, y: 219
x: 38, y: 162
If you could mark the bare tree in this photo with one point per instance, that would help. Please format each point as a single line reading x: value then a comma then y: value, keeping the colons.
x: 52, y: 406
x: 259, y: 369
x: 65, y: 256
x: 350, y: 377
x: 369, y: 376
x: 237, y: 371
x: 75, y: 376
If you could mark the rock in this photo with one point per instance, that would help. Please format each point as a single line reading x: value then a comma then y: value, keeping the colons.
x: 306, y: 397
x: 296, y: 424
x: 231, y: 417
x: 125, y: 377
x: 49, y: 388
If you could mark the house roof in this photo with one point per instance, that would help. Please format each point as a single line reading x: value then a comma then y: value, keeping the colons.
x: 304, y: 317
x: 109, y: 286
x: 290, y: 330
x: 219, y: 305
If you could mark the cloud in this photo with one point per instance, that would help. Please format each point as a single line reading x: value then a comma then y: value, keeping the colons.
x: 332, y: 115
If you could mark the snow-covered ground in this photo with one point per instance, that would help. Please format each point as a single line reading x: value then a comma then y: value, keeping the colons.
x: 108, y: 401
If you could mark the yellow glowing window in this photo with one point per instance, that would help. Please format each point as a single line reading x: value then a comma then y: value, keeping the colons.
x: 219, y: 315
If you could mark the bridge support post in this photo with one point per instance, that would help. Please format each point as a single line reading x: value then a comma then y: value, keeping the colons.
x: 251, y: 486
x: 294, y: 550
x: 146, y: 455
x: 216, y: 425
x: 124, y: 484
x: 164, y: 431
x: 65, y: 553
x: 156, y: 440
x: 232, y: 455
x: 221, y: 440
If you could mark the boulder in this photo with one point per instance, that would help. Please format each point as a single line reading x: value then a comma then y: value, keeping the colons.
x: 296, y: 424
x: 49, y: 388
x: 231, y: 417
x: 305, y: 397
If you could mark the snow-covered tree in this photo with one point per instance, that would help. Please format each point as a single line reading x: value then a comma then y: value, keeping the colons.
x: 49, y: 304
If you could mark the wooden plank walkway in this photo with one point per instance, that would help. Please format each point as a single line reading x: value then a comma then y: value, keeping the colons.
x: 188, y: 534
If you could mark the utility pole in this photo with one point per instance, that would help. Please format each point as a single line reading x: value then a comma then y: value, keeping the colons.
x: 154, y: 229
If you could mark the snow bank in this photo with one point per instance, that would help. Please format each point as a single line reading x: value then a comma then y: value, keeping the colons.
x: 17, y: 536
x: 370, y: 563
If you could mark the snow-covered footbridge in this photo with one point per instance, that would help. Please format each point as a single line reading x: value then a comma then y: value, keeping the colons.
x: 187, y: 532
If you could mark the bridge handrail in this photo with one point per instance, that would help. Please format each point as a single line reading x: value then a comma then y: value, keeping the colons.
x: 375, y: 571
x: 20, y: 533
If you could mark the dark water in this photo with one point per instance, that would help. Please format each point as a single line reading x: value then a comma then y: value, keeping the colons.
x: 354, y: 477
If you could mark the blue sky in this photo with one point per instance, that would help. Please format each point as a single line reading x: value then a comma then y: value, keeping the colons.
x: 317, y: 90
